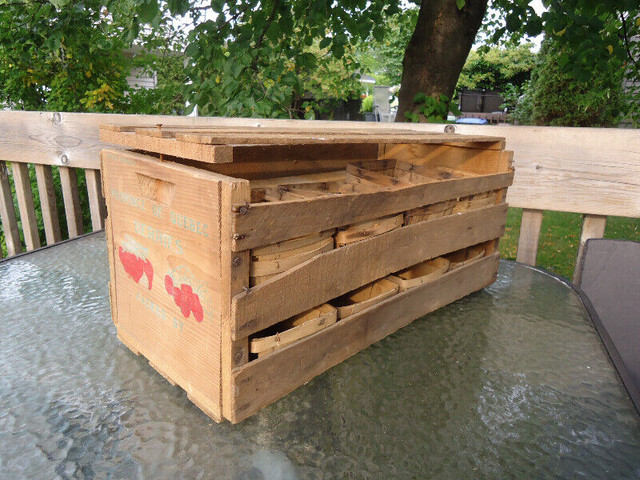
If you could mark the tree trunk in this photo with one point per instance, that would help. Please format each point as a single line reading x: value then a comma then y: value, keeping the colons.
x: 437, y: 50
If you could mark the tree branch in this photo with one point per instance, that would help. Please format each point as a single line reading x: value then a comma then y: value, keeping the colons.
x: 625, y: 37
x: 267, y: 24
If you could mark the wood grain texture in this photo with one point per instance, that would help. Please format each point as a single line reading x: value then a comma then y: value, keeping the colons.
x: 8, y: 213
x: 44, y: 177
x: 71, y: 198
x: 182, y: 254
x: 169, y: 146
x: 267, y: 223
x: 344, y: 269
x: 267, y: 379
x: 593, y: 226
x: 529, y: 236
x: 234, y: 279
x: 97, y: 205
x: 586, y: 170
x: 287, y: 136
x: 27, y: 210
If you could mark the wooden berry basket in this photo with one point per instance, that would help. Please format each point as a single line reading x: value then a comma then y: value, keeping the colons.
x: 234, y: 230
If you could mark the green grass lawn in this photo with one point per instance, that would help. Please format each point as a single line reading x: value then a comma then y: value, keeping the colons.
x: 560, y: 236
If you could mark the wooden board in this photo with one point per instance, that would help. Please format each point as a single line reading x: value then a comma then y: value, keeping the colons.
x: 344, y: 269
x: 304, y: 138
x: 48, y: 206
x: 166, y: 218
x: 24, y: 195
x: 8, y: 213
x: 598, y: 168
x: 266, y: 223
x: 265, y: 380
x: 586, y: 170
x: 71, y: 197
x: 529, y: 235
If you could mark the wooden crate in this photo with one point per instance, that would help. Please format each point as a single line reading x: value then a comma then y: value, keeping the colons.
x: 187, y: 213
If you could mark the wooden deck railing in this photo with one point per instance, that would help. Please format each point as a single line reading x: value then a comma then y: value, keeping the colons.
x: 592, y: 171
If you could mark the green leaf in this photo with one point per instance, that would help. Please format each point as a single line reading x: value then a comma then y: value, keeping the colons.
x: 148, y: 10
x: 325, y: 42
x: 460, y: 4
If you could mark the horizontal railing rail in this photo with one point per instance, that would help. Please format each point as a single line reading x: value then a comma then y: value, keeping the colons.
x: 591, y: 171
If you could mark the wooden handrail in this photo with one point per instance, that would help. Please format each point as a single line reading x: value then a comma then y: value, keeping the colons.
x: 592, y: 171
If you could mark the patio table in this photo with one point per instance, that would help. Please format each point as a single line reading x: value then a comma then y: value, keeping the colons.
x: 509, y: 382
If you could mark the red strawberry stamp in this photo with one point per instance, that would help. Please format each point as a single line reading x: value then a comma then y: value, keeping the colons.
x: 136, y: 266
x: 185, y: 298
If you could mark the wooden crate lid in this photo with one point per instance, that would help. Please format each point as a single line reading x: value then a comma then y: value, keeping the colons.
x: 217, y: 144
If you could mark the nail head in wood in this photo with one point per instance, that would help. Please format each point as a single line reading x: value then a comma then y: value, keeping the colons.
x: 241, y: 209
x: 237, y: 261
x: 238, y: 357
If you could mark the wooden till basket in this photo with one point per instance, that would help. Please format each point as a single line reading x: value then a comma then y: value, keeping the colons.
x: 294, y: 329
x: 364, y: 297
x: 419, y: 274
x: 465, y: 256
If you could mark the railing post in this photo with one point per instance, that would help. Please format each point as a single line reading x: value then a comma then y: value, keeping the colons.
x: 71, y: 197
x: 22, y: 182
x: 8, y: 213
x: 44, y: 176
x: 593, y: 226
x: 529, y: 236
x: 96, y: 200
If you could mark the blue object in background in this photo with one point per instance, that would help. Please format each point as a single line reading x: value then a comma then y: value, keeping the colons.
x: 473, y: 121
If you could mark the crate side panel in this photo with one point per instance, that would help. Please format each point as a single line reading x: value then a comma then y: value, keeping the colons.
x: 338, y: 271
x: 263, y: 381
x: 165, y: 245
x: 475, y: 160
x: 267, y: 223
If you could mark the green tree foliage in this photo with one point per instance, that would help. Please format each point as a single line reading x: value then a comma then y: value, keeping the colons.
x: 382, y: 58
x: 497, y: 68
x: 265, y: 58
x: 67, y: 59
x: 555, y: 97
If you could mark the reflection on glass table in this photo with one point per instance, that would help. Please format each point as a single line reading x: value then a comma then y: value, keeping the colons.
x: 509, y: 382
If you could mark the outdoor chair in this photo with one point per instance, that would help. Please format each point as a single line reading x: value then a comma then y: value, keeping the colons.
x: 610, y: 281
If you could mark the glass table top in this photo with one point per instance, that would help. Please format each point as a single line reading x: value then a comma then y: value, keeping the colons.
x: 509, y: 382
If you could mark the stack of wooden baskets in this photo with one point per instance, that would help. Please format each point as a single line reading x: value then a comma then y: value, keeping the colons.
x: 289, y: 250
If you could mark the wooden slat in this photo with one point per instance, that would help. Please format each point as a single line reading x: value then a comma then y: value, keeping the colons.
x: 344, y: 269
x: 169, y: 146
x: 275, y: 137
x: 8, y: 213
x: 97, y: 204
x: 24, y: 195
x: 44, y: 176
x: 593, y: 226
x: 303, y: 128
x: 267, y: 223
x: 235, y: 278
x: 529, y: 235
x: 71, y: 197
x: 586, y: 170
x: 262, y: 381
x: 474, y: 160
